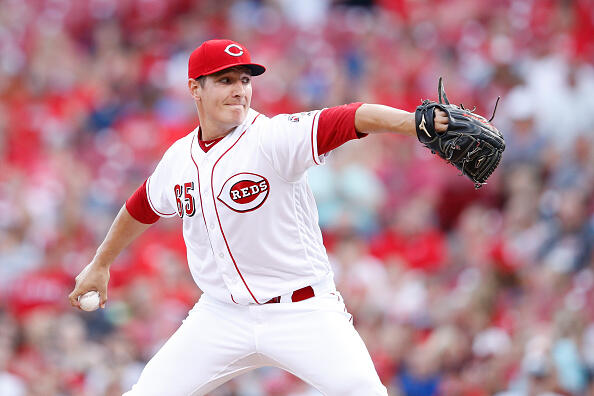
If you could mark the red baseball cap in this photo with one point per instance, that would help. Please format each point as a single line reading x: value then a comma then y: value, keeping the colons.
x: 215, y: 55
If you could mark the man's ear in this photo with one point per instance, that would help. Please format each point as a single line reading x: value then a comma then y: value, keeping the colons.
x: 194, y: 87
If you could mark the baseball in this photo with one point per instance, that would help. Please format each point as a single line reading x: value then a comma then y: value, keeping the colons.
x: 89, y: 301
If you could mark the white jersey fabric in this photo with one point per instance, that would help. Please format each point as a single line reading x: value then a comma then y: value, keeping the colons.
x: 250, y: 222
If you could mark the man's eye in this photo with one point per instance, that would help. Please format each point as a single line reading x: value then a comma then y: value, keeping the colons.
x: 245, y: 80
x: 224, y: 80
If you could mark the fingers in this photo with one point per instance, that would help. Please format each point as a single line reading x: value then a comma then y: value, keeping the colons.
x: 102, y: 299
x: 91, y: 278
x: 73, y: 298
x: 441, y: 120
x: 440, y: 112
x: 76, y: 293
x: 441, y: 125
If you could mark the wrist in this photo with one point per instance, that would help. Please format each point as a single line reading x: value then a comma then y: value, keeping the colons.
x: 101, y: 262
x: 410, y: 127
x: 405, y: 124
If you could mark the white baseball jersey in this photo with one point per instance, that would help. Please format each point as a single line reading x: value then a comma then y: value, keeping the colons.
x: 250, y: 225
x: 250, y: 222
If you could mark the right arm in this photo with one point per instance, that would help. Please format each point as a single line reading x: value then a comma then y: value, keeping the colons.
x: 95, y: 275
x: 151, y: 201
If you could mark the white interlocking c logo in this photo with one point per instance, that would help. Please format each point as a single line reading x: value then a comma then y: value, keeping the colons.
x: 238, y: 52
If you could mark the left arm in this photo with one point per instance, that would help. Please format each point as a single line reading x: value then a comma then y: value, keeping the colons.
x: 374, y: 118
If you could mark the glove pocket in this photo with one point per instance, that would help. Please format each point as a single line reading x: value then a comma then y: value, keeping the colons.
x: 455, y: 147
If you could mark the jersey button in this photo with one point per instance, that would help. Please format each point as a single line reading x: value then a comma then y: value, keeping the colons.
x: 211, y: 225
x: 221, y: 255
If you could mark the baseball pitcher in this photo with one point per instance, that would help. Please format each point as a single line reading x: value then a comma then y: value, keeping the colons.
x: 239, y: 184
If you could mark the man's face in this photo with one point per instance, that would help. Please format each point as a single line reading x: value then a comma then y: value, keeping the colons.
x: 225, y: 97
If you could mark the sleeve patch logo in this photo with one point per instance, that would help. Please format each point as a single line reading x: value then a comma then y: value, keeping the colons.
x: 297, y: 116
x: 244, y: 192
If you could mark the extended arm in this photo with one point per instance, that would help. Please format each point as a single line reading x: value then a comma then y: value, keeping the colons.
x: 374, y: 118
x: 95, y: 275
x: 463, y: 138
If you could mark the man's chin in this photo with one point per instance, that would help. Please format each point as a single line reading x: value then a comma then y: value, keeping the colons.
x: 237, y: 115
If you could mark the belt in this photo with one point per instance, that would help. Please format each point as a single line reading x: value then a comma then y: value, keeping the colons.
x: 298, y: 295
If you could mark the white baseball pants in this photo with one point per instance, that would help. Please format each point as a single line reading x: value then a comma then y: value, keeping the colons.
x: 312, y: 339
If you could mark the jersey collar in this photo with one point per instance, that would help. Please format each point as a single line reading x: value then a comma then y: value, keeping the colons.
x: 230, y: 137
x: 206, y: 145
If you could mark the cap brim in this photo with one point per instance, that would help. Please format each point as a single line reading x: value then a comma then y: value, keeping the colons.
x: 255, y: 69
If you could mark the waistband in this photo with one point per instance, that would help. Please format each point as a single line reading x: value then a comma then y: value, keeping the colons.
x: 321, y: 287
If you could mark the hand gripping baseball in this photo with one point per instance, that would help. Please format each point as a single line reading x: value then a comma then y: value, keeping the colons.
x: 92, y: 277
x: 471, y: 143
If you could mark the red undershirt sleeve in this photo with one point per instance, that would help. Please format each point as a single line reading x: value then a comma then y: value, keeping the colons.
x: 138, y: 206
x: 336, y: 126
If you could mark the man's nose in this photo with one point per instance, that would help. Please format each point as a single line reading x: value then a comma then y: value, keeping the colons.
x: 238, y: 89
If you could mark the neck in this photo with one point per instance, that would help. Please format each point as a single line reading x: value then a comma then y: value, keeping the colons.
x: 211, y: 133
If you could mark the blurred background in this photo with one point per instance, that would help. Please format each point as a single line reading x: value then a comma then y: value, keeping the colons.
x: 455, y: 291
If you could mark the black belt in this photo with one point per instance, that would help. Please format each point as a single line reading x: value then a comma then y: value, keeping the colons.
x: 298, y: 295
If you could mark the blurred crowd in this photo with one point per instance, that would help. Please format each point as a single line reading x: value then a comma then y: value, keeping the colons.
x: 455, y: 291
